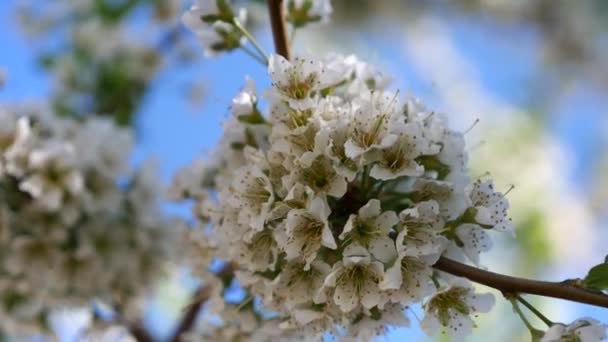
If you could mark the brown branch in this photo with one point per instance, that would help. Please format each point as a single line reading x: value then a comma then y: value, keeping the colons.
x: 512, y: 285
x: 189, y: 318
x: 139, y: 333
x: 199, y: 298
x: 276, y: 11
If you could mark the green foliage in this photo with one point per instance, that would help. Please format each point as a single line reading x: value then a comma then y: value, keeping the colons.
x: 597, y: 278
x: 532, y: 240
x: 112, y: 84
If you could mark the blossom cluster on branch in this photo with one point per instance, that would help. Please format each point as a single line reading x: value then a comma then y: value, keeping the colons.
x: 333, y: 200
x: 75, y: 224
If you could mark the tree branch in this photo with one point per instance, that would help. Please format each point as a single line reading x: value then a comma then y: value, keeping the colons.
x: 276, y: 11
x: 512, y: 285
x: 188, y: 319
x: 199, y: 298
x: 139, y: 333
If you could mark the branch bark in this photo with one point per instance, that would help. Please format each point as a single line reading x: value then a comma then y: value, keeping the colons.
x: 189, y: 318
x: 276, y: 11
x: 139, y: 333
x: 199, y: 298
x: 513, y: 285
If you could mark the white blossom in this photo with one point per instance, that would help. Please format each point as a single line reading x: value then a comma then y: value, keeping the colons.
x: 583, y: 330
x: 67, y: 226
x: 399, y: 159
x: 373, y: 127
x: 303, y: 12
x: 299, y: 81
x: 491, y: 207
x: 451, y: 309
x: 371, y: 228
x: 355, y: 280
x: 307, y: 230
x: 213, y: 23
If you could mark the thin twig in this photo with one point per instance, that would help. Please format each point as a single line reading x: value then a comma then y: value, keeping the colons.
x: 535, y: 311
x: 251, y: 39
x: 521, y: 315
x: 513, y: 285
x: 276, y: 11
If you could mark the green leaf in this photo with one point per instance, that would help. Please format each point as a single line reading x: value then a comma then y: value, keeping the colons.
x: 597, y: 278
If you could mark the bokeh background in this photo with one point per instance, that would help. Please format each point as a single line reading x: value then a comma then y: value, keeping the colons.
x: 527, y: 79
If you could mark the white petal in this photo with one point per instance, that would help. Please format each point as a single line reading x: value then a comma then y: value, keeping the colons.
x: 387, y: 220
x: 481, y: 302
x: 370, y: 209
x: 348, y: 227
x: 337, y: 187
x: 304, y: 317
x: 554, y: 333
x: 345, y: 297
x: 352, y: 150
x: 392, y: 277
x: 460, y: 326
x: 371, y: 296
x: 383, y: 249
x: 328, y: 238
x: 430, y: 324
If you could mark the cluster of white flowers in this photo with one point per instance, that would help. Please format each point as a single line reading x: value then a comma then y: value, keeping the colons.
x: 334, y: 207
x: 304, y: 12
x: 75, y: 223
x: 331, y: 203
x: 215, y: 24
x: 221, y: 29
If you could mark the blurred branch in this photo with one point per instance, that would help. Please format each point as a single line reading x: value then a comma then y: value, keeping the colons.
x: 276, y: 11
x: 139, y: 333
x: 199, y: 298
x: 189, y: 318
x: 512, y: 285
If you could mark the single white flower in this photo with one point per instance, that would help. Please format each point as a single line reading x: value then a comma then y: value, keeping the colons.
x: 355, y: 280
x: 453, y: 153
x: 420, y: 233
x: 408, y: 279
x: 374, y: 117
x: 331, y: 140
x: 298, y: 284
x: 307, y: 230
x: 260, y: 251
x: 253, y: 195
x: 320, y: 176
x: 399, y: 159
x: 370, y: 228
x: 296, y: 140
x: 298, y: 81
x: 452, y: 202
x: 473, y: 241
x: 451, y: 309
x: 491, y: 207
